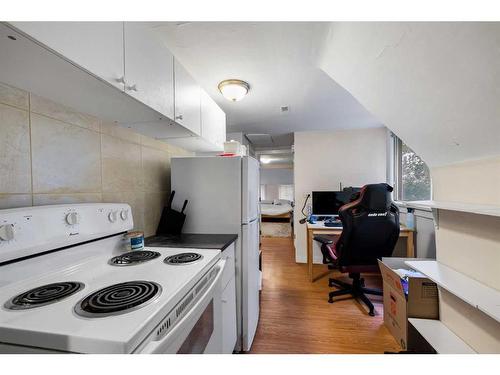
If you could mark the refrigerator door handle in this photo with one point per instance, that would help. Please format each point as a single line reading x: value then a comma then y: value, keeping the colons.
x: 251, y: 221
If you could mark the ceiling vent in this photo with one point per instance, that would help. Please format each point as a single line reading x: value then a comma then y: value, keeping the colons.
x: 260, y: 140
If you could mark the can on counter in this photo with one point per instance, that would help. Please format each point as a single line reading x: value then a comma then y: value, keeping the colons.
x: 135, y: 240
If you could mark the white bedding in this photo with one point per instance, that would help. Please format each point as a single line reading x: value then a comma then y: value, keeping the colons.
x: 275, y: 209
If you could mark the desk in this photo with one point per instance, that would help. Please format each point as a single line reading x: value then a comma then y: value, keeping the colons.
x: 319, y: 228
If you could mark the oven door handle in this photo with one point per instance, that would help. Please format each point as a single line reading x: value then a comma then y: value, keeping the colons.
x: 153, y: 345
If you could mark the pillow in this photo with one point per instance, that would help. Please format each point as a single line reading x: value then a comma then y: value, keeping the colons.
x: 266, y: 201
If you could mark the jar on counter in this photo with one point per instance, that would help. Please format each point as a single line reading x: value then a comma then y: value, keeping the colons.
x: 134, y: 240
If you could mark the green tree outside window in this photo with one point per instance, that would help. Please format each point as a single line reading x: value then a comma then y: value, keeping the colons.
x: 415, y: 176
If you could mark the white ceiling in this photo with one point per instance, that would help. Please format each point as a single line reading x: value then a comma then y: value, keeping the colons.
x: 435, y: 84
x: 279, y: 60
x: 262, y: 141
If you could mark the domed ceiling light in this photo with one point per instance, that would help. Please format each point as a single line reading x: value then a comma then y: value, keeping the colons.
x: 234, y: 89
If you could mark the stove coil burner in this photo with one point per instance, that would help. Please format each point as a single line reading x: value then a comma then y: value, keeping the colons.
x: 44, y: 295
x: 118, y: 299
x: 183, y: 258
x: 133, y: 257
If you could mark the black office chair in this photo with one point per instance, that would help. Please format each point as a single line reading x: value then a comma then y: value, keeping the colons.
x: 370, y: 231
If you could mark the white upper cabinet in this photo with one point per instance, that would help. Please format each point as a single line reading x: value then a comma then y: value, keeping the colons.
x: 187, y: 99
x: 162, y: 99
x: 213, y: 121
x: 95, y: 46
x: 149, y: 68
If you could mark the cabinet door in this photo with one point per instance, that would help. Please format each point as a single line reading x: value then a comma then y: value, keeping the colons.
x: 149, y: 68
x: 229, y: 334
x: 213, y: 121
x: 187, y: 99
x: 94, y: 46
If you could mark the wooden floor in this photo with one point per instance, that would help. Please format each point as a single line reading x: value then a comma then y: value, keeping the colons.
x: 295, y: 316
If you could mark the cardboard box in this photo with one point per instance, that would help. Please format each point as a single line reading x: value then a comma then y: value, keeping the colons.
x: 419, y: 301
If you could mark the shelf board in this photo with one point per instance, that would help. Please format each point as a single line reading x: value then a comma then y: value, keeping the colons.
x: 480, y: 209
x: 440, y: 337
x: 471, y: 291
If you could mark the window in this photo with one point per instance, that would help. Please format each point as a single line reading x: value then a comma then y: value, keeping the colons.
x: 273, y: 192
x: 286, y: 192
x: 412, y: 178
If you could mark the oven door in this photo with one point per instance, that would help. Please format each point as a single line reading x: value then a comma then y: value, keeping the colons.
x: 200, y: 330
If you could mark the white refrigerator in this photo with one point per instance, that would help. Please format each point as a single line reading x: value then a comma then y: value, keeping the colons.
x: 223, y: 195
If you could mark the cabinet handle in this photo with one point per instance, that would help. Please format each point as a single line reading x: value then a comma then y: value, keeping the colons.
x: 224, y: 300
x: 180, y: 117
x: 120, y: 80
x: 132, y: 88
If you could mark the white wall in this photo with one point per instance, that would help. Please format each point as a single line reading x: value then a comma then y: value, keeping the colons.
x: 476, y: 181
x: 272, y: 192
x: 276, y: 176
x: 272, y: 178
x: 424, y: 237
x: 434, y: 84
x: 240, y: 137
x: 324, y: 159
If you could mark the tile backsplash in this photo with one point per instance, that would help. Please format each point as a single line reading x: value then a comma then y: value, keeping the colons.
x: 52, y: 154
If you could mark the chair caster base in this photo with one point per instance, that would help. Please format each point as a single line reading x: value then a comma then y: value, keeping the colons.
x: 356, y: 290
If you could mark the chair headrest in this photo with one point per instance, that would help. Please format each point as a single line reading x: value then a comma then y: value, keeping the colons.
x: 374, y: 197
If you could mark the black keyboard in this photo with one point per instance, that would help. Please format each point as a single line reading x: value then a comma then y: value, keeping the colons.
x: 332, y: 222
x: 336, y: 224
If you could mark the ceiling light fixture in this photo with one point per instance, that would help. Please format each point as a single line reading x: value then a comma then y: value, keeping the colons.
x: 265, y: 160
x: 234, y: 89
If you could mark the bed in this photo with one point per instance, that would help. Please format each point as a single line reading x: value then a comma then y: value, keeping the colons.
x: 281, y: 209
x: 276, y: 218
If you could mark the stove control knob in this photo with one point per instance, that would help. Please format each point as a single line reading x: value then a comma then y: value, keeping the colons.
x: 72, y: 218
x: 6, y: 232
x: 124, y: 215
x: 112, y: 216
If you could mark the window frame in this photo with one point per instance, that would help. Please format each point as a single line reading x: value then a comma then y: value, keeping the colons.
x: 397, y: 169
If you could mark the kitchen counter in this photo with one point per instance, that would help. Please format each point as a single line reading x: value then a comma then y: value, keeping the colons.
x: 193, y: 240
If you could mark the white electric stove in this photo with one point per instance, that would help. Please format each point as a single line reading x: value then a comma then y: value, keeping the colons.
x: 68, y: 284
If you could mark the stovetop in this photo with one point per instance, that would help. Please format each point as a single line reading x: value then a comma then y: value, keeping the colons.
x: 193, y: 240
x: 183, y: 259
x: 150, y: 289
x: 132, y: 258
x: 120, y: 298
x: 43, y: 295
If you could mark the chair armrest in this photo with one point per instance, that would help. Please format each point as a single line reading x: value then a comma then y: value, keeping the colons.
x: 323, y: 239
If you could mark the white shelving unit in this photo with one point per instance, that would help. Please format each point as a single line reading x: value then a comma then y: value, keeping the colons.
x: 440, y: 337
x: 480, y: 209
x: 471, y: 291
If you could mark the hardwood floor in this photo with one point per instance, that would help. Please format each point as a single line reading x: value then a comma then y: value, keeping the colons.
x: 295, y: 316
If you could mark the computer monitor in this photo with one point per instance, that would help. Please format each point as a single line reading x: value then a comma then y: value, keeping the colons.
x: 327, y: 203
x: 352, y: 189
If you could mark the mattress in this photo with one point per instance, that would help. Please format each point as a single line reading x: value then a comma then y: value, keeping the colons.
x: 269, y: 209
